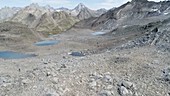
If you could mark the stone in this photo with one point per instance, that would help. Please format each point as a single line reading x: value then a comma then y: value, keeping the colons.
x: 55, y: 80
x: 107, y: 79
x: 35, y: 87
x: 93, y: 84
x: 156, y: 62
x: 127, y: 84
x: 123, y: 91
x: 2, y: 80
x: 109, y: 87
x: 40, y: 79
x: 79, y: 54
x: 64, y: 57
x: 48, y: 74
x: 63, y: 66
x: 26, y: 81
x: 45, y: 62
x: 96, y: 76
x: 106, y: 93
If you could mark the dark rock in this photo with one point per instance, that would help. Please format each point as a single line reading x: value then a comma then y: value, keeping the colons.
x: 63, y: 66
x: 79, y: 54
x: 166, y: 74
x: 64, y: 57
x: 155, y: 30
x: 52, y: 94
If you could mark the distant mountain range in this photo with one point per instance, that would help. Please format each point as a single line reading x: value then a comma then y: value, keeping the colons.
x: 47, y: 19
x: 78, y: 11
x: 83, y: 12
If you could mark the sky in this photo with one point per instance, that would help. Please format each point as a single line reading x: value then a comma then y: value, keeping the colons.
x: 93, y: 4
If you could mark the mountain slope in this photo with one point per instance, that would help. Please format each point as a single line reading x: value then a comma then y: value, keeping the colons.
x: 29, y: 14
x: 55, y: 22
x: 44, y: 19
x: 86, y: 13
x: 100, y: 11
x: 14, y: 35
x: 127, y: 14
x: 77, y: 9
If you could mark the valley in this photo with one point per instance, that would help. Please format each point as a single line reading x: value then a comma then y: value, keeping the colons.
x: 123, y: 51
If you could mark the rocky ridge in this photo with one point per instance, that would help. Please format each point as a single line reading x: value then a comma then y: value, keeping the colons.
x: 131, y: 12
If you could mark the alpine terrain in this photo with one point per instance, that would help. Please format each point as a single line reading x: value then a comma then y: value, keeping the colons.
x: 80, y: 51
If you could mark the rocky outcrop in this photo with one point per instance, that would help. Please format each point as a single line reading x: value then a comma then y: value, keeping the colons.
x: 156, y: 34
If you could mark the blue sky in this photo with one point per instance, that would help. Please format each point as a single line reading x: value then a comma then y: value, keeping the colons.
x: 93, y: 4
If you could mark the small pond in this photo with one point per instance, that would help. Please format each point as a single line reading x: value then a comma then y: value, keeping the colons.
x: 78, y: 54
x: 98, y: 33
x: 14, y: 55
x: 47, y: 43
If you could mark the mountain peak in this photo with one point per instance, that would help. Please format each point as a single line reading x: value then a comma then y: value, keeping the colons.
x: 79, y: 7
x: 34, y: 5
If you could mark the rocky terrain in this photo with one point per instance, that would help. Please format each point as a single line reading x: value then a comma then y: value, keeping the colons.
x: 102, y: 72
x: 132, y: 13
x: 123, y: 52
